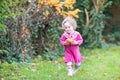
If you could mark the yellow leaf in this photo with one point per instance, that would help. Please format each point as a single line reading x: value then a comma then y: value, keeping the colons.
x: 69, y: 3
x: 58, y: 7
x: 73, y: 13
x: 76, y: 16
x: 39, y: 1
x: 77, y: 10
x: 54, y: 2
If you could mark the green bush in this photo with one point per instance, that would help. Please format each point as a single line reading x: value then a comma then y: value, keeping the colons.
x: 92, y: 28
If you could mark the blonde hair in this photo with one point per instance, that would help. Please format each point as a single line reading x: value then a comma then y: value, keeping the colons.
x: 71, y: 21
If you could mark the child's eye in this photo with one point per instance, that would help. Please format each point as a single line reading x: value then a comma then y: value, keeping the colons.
x: 68, y: 26
x: 65, y: 27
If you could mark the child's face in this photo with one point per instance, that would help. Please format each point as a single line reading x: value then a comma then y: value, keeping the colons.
x: 68, y: 28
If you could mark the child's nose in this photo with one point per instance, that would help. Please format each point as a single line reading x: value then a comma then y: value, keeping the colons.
x: 67, y: 29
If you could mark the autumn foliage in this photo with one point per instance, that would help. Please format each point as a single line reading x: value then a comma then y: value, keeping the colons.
x: 29, y: 28
x: 59, y: 7
x: 33, y: 27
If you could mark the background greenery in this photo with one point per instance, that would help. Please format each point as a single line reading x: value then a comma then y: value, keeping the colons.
x: 26, y: 32
x: 30, y: 48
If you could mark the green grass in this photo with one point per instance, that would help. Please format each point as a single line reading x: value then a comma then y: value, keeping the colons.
x: 98, y: 64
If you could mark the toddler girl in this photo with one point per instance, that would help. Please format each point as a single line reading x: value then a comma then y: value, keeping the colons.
x: 71, y: 40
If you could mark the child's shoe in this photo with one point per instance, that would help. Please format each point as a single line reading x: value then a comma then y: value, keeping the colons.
x: 76, y: 68
x: 69, y: 68
x: 74, y: 71
x: 70, y: 73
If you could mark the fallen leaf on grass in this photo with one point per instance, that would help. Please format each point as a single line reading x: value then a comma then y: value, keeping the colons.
x: 101, y: 68
x: 33, y: 70
x: 118, y: 78
x: 105, y: 74
x: 34, y: 64
x: 119, y: 66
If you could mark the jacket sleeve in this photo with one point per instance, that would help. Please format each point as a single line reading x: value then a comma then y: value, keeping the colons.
x: 62, y: 40
x: 79, y: 39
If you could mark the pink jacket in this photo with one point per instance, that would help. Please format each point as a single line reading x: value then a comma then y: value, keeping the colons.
x: 72, y: 53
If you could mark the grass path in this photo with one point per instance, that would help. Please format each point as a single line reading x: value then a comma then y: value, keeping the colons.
x: 98, y: 64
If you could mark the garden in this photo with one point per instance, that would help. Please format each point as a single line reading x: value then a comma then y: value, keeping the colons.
x: 30, y: 32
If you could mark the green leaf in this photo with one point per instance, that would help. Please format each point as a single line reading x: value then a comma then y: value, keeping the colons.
x: 2, y: 26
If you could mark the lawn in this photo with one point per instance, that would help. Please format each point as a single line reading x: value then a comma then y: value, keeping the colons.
x: 98, y: 64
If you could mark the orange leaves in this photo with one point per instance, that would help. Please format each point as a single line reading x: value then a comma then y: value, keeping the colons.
x: 49, y: 3
x: 39, y: 1
x: 58, y: 7
x: 69, y: 3
x: 73, y: 13
x: 53, y: 2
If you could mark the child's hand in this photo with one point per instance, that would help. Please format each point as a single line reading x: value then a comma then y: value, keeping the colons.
x: 66, y: 43
x: 74, y: 42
